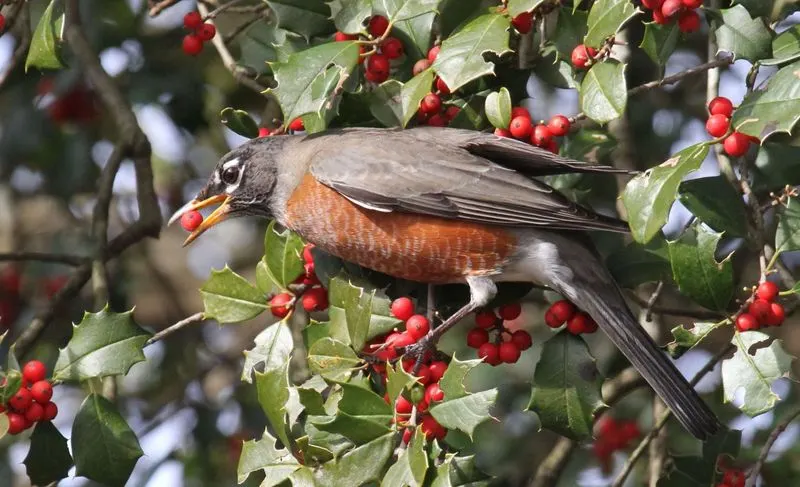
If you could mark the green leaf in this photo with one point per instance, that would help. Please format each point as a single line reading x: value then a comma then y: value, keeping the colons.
x: 516, y: 7
x: 358, y: 312
x: 471, y: 116
x: 384, y: 103
x: 411, y: 466
x: 349, y: 16
x: 415, y: 34
x: 589, y: 145
x: 636, y: 263
x: 756, y: 372
x: 687, y: 338
x: 716, y: 203
x: 283, y: 255
x: 258, y: 45
x: 358, y: 466
x: 45, y: 49
x: 261, y: 455
x: 459, y: 471
x: 240, y: 122
x: 695, y: 268
x: 660, y: 41
x: 465, y: 413
x: 306, y: 17
x: 273, y: 395
x: 461, y: 57
x: 48, y: 458
x: 397, y: 380
x: 742, y: 35
x: 229, y: 298
x: 3, y: 425
x: 498, y: 108
x: 566, y: 387
x: 361, y: 415
x: 412, y: 94
x: 10, y: 382
x: 332, y: 359
x: 570, y: 30
x: 785, y: 47
x: 606, y: 18
x: 307, y: 79
x: 604, y: 92
x: 452, y: 382
x: 273, y: 347
x: 556, y: 72
x: 773, y: 109
x: 104, y: 447
x: 310, y: 395
x: 103, y: 344
x: 649, y: 196
x: 397, y: 10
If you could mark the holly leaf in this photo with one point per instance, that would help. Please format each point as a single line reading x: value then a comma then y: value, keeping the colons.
x: 716, y: 203
x: 660, y: 41
x: 273, y: 395
x: 498, y: 108
x: 416, y: 34
x: 566, y: 387
x: 411, y: 465
x: 358, y: 466
x: 397, y: 10
x: 516, y: 7
x: 10, y: 382
x: 465, y: 413
x: 452, y: 382
x: 649, y: 196
x: 361, y: 415
x: 785, y: 47
x: 239, y: 121
x: 635, y: 263
x: 556, y: 72
x: 102, y: 344
x: 461, y: 58
x: 743, y: 36
x: 754, y: 372
x: 258, y: 45
x: 262, y: 455
x: 349, y: 16
x: 104, y: 446
x: 310, y: 395
x: 306, y: 17
x: 687, y: 338
x: 570, y: 30
x: 384, y: 103
x: 696, y: 270
x: 604, y: 92
x: 45, y: 48
x: 397, y: 380
x: 229, y: 298
x: 273, y: 348
x: 332, y: 359
x: 3, y: 425
x: 459, y: 471
x: 412, y: 94
x: 771, y: 110
x: 357, y: 312
x: 48, y: 458
x: 606, y: 18
x: 283, y: 256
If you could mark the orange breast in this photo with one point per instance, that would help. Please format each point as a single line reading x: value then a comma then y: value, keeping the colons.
x: 409, y: 246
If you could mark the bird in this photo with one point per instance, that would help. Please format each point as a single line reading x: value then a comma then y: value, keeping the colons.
x: 443, y: 205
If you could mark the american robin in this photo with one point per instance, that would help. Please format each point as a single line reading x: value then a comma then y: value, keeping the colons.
x: 442, y: 205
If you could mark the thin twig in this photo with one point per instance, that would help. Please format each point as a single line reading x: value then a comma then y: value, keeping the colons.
x: 195, y: 318
x: 157, y: 7
x: 66, y: 259
x: 648, y: 315
x: 658, y: 447
x: 21, y: 51
x: 752, y: 476
x: 700, y: 314
x: 725, y: 61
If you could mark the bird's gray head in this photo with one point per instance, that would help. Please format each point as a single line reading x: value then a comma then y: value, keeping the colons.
x: 241, y: 183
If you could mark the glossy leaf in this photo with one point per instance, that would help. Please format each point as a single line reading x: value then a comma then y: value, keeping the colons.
x: 358, y: 312
x: 273, y: 347
x: 785, y: 47
x: 696, y: 270
x: 416, y: 35
x: 332, y: 359
x: 385, y: 103
x: 397, y: 380
x: 306, y: 17
x: 349, y: 16
x: 283, y: 256
x: 452, y: 382
x: 229, y: 298
x: 262, y: 455
x: 716, y: 203
x: 688, y: 338
x: 570, y: 30
x: 358, y: 466
x: 411, y: 465
x: 48, y: 458
x: 606, y: 18
x: 45, y: 49
x: 239, y: 121
x: 465, y: 413
x: 516, y: 7
x: 787, y: 236
x: 635, y: 263
x: 412, y: 94
x: 397, y: 10
x: 604, y: 92
x: 498, y: 108
x: 456, y: 471
x: 660, y: 41
x: 743, y: 36
x: 774, y: 109
x: 273, y: 395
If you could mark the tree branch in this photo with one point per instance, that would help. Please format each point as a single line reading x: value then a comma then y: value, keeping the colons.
x: 195, y: 318
x: 752, y: 476
x: 66, y: 259
x: 716, y: 63
x: 24, y: 42
x: 658, y: 447
x: 700, y: 314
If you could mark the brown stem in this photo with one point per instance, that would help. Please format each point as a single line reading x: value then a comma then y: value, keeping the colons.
x: 752, y: 476
x: 195, y: 318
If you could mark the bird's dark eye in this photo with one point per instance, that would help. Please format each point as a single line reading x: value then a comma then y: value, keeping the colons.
x: 230, y: 175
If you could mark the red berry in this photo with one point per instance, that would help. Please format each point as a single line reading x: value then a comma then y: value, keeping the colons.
x: 264, y: 132
x: 403, y: 405
x: 523, y: 22
x: 746, y: 322
x: 629, y: 431
x: 490, y: 353
x: 402, y: 308
x: 760, y: 309
x: 431, y: 103
x: 432, y: 429
x: 551, y: 146
x: 736, y: 144
x: 692, y: 4
x: 734, y: 478
x: 401, y: 339
x: 581, y: 323
x: 476, y: 337
x: 297, y: 125
x: 720, y: 106
x: 341, y: 37
x: 50, y: 411
x: 407, y: 434
x: 671, y: 7
x: 424, y: 375
x: 552, y: 320
x: 442, y: 87
x: 308, y: 257
x: 315, y: 299
x: 522, y: 339
x: 21, y: 400
x: 502, y: 133
x: 378, y: 64
x: 377, y: 25
x: 34, y: 371
x: 16, y: 423
x: 422, y: 406
x: 541, y: 135
x: 206, y: 32
x: 486, y: 319
x: 520, y: 112
x: 659, y: 18
x: 191, y: 220
x: 433, y: 53
x: 559, y: 125
x: 563, y: 310
x: 510, y: 312
x: 192, y: 20
x: 437, y: 369
x: 652, y: 4
x: 717, y: 125
x: 508, y: 352
x: 34, y: 413
x: 776, y: 315
x: 437, y: 121
x: 42, y: 391
x: 392, y: 47
x: 689, y: 21
x: 581, y: 55
x: 418, y: 326
x: 452, y: 112
x: 278, y: 305
x: 10, y: 280
x: 767, y: 291
x: 420, y: 66
x: 433, y: 393
x: 192, y: 45
x: 520, y: 127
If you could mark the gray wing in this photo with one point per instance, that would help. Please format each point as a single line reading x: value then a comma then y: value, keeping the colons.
x: 435, y: 172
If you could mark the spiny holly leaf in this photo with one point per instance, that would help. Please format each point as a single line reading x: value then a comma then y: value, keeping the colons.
x: 239, y: 121
x: 273, y: 348
x: 411, y: 465
x: 273, y: 396
x: 774, y: 109
x: 397, y: 10
x: 104, y: 343
x: 660, y: 41
x: 229, y: 298
x: 716, y: 203
x: 606, y: 18
x: 589, y: 145
x: 785, y: 47
x: 696, y: 270
x: 3, y: 425
x: 725, y: 442
x: 461, y: 57
x: 452, y: 382
x: 307, y: 79
x: 742, y: 35
x: 412, y: 94
x: 756, y: 372
x: 570, y: 30
x: 10, y: 382
x: 686, y: 471
x: 471, y: 116
x: 357, y: 400
x: 397, y: 379
x: 416, y: 35
x: 332, y: 359
x: 604, y: 92
x: 516, y: 7
x: 48, y: 458
x: 687, y: 338
x: 104, y: 446
x: 384, y: 103
x: 635, y: 263
x: 459, y: 471
x: 276, y: 463
x: 283, y: 255
x: 358, y: 466
x: 558, y: 73
x: 361, y: 415
x: 302, y: 477
x: 498, y: 108
x: 649, y: 196
x: 763, y: 8
x: 349, y: 15
x: 358, y: 312
x: 45, y: 49
x: 310, y: 395
x: 465, y: 413
x: 566, y: 387
x: 258, y: 45
x: 306, y: 17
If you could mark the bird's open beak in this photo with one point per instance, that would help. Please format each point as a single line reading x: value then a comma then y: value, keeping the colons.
x: 218, y: 215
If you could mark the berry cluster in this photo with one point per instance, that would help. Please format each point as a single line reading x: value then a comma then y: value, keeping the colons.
x: 78, y: 104
x: 507, y: 346
x: 10, y: 286
x: 732, y: 478
x: 612, y: 435
x: 201, y: 32
x: 313, y: 297
x: 563, y: 311
x: 377, y: 62
x: 685, y: 11
x: 432, y: 110
x: 541, y: 135
x: 763, y: 310
x: 736, y: 144
x: 31, y: 403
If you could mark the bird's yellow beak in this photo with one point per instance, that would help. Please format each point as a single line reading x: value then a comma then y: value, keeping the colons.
x: 220, y: 214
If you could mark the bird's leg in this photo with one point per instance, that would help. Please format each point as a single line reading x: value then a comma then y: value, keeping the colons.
x: 481, y: 290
